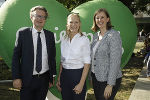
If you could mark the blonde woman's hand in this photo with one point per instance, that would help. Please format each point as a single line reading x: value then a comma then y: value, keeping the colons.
x: 78, y: 88
x: 58, y: 85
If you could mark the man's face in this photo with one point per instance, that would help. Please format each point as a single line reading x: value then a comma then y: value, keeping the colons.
x: 38, y: 19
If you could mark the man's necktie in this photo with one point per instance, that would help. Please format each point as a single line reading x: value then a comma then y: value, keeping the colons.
x: 39, y: 54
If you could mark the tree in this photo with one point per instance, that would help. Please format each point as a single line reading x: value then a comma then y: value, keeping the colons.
x: 71, y: 4
x: 135, y: 6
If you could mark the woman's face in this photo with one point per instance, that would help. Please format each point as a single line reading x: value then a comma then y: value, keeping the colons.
x: 101, y: 20
x: 73, y: 23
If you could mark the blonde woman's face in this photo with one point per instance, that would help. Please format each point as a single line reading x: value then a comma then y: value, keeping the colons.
x: 101, y: 20
x: 73, y: 23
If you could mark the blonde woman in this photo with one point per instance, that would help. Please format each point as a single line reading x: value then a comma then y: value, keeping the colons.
x: 75, y: 61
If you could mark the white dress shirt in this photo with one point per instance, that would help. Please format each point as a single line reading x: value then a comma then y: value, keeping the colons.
x: 44, y: 51
x: 76, y: 53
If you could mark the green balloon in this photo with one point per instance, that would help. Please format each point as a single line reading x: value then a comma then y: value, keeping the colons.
x: 121, y: 18
x: 15, y: 14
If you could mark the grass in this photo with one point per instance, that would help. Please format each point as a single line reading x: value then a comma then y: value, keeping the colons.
x: 7, y: 92
x: 130, y: 74
x: 6, y: 89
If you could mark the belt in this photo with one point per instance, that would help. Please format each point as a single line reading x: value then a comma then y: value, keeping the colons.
x: 41, y: 75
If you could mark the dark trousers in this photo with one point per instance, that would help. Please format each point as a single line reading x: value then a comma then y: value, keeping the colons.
x: 99, y: 88
x: 148, y: 67
x: 37, y: 90
x: 69, y: 79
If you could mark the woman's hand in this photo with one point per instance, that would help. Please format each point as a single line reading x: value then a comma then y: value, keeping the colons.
x: 107, y: 91
x: 58, y: 79
x: 58, y: 85
x: 78, y: 88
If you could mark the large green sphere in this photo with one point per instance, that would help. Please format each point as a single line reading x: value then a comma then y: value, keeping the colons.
x: 14, y: 14
x: 121, y: 18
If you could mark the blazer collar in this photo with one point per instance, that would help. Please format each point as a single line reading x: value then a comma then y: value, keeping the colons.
x: 101, y: 41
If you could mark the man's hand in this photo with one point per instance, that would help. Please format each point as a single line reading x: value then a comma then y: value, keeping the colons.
x: 17, y: 83
x: 52, y: 84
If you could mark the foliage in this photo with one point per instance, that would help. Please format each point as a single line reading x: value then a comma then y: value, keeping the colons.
x: 5, y: 73
x: 135, y: 6
x: 71, y: 4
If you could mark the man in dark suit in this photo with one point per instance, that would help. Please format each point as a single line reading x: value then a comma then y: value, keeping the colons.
x: 33, y: 62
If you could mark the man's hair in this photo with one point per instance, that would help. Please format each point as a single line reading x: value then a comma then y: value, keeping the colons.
x: 38, y: 8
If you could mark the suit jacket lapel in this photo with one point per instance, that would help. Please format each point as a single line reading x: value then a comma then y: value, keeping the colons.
x: 31, y: 42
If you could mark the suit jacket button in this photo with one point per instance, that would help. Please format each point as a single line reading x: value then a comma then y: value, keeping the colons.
x: 94, y: 65
x: 94, y: 58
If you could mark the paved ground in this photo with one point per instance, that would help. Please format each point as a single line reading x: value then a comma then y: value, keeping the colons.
x: 141, y: 90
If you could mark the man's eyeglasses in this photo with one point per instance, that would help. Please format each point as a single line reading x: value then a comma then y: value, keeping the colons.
x: 40, y: 17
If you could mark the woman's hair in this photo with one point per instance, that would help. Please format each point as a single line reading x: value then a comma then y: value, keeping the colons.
x: 95, y: 28
x: 67, y: 29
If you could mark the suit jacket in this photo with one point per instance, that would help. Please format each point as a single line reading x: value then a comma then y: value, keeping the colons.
x: 23, y: 55
x: 107, y: 58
